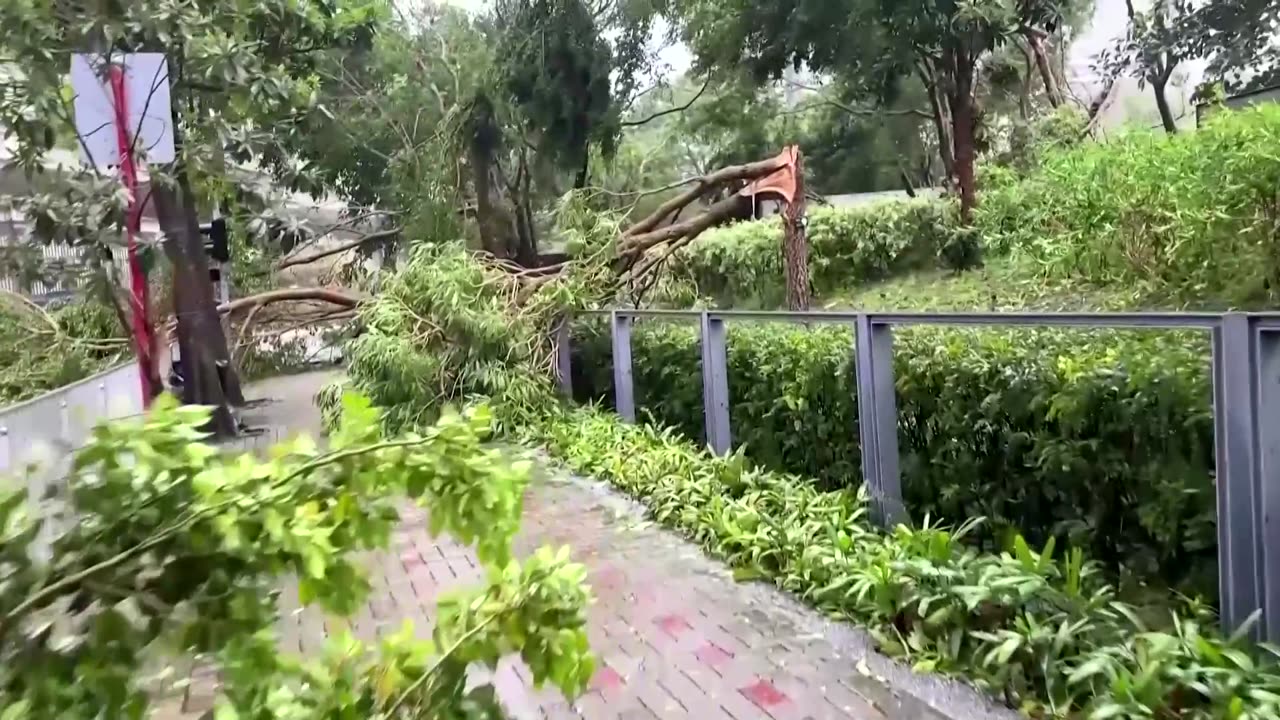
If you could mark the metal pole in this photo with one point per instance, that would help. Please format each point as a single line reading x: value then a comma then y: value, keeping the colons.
x: 715, y: 385
x: 1237, y: 461
x: 623, y: 389
x: 878, y: 419
x: 564, y: 359
x: 1267, y: 509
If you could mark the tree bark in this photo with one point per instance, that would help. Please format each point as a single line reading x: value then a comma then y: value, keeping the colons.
x: 1035, y: 39
x: 208, y: 376
x: 795, y: 246
x: 1159, y: 86
x: 941, y: 124
x: 963, y: 119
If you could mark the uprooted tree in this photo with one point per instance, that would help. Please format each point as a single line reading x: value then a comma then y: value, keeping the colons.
x: 631, y: 263
x: 422, y: 125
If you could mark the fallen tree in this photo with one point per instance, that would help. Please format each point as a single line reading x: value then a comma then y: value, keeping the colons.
x: 645, y: 246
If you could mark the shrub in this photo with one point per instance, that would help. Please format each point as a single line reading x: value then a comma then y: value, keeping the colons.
x: 1101, y: 441
x: 40, y: 351
x: 1042, y: 630
x: 1196, y: 214
x: 164, y: 548
x: 741, y: 265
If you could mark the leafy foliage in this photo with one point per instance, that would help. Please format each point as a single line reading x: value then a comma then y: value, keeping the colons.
x: 446, y: 329
x: 741, y: 265
x: 1195, y: 215
x: 41, y: 351
x: 1099, y: 440
x: 1041, y: 629
x: 1190, y: 219
x: 162, y: 548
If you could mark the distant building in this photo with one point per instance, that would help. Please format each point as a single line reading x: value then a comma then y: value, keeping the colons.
x: 1239, y: 102
x: 870, y: 198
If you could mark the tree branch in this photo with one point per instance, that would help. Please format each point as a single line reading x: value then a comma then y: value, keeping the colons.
x: 669, y: 111
x: 371, y: 237
x: 333, y: 297
x: 705, y: 184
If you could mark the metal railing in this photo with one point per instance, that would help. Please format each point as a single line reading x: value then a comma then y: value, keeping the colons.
x: 1246, y: 409
x: 48, y: 428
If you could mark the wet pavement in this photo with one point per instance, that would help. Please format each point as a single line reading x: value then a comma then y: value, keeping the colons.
x: 675, y: 636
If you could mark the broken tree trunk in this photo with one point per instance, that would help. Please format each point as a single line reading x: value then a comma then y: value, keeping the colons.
x: 795, y: 245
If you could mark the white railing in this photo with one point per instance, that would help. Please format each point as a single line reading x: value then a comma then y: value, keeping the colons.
x: 46, y: 430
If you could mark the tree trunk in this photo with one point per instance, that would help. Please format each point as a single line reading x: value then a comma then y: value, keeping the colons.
x: 489, y: 215
x: 208, y: 376
x: 941, y: 125
x: 795, y: 246
x: 1159, y: 86
x: 1051, y: 90
x: 963, y: 119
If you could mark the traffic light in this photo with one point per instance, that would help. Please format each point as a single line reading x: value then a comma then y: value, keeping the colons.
x: 215, y: 244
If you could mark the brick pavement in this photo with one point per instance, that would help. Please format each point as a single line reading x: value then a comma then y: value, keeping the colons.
x: 675, y: 636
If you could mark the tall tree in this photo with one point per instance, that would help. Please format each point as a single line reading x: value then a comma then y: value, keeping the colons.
x: 1240, y: 39
x: 1156, y: 43
x: 874, y: 47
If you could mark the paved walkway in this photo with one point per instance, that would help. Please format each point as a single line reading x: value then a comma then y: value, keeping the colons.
x: 676, y: 636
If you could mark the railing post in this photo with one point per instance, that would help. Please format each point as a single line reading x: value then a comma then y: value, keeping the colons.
x: 1237, y: 443
x: 564, y: 358
x: 6, y: 457
x: 878, y: 419
x: 1267, y: 516
x: 624, y: 392
x: 715, y: 385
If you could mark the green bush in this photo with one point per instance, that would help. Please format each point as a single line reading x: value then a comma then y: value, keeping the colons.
x: 1102, y: 440
x: 42, y: 352
x: 1196, y: 215
x: 1043, y: 631
x: 741, y: 265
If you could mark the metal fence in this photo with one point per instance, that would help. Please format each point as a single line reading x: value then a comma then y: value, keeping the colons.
x: 45, y: 431
x: 1246, y: 407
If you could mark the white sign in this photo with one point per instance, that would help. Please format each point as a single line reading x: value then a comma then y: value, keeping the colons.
x: 150, y: 114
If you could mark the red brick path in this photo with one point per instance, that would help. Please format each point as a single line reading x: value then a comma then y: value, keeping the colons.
x: 676, y: 637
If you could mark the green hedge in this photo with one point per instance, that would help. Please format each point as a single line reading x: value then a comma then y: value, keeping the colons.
x: 1104, y: 441
x: 741, y: 265
x: 1195, y: 215
x: 1041, y: 630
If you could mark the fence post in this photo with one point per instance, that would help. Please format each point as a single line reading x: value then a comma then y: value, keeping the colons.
x: 624, y: 392
x: 1237, y: 441
x: 6, y: 457
x: 715, y: 385
x: 1267, y: 489
x: 564, y: 358
x: 878, y: 419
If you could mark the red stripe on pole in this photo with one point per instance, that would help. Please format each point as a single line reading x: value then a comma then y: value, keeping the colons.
x: 142, y: 338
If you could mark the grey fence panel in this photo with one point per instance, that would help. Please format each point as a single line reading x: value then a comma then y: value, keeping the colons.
x: 60, y: 421
x: 878, y: 419
x: 625, y: 399
x: 564, y: 362
x: 1268, y: 478
x: 1246, y: 406
x: 715, y: 384
x: 1236, y: 457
